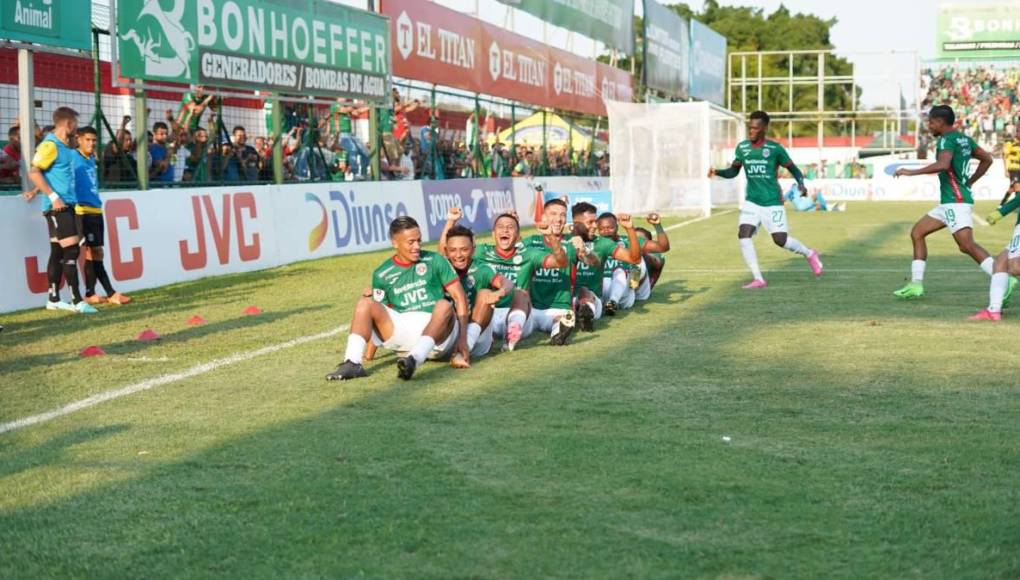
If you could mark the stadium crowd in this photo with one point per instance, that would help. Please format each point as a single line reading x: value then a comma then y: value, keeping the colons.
x: 984, y: 98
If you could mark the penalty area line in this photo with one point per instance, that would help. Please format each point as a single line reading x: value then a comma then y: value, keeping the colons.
x: 159, y: 381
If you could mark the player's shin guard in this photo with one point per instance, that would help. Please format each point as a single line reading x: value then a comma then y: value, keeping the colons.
x: 793, y: 244
x: 70, y: 268
x: 917, y: 271
x: 90, y: 278
x: 54, y: 270
x: 99, y: 271
x: 986, y: 265
x: 751, y: 257
x: 997, y: 291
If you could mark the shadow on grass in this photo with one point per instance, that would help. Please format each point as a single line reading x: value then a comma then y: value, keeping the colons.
x: 54, y: 450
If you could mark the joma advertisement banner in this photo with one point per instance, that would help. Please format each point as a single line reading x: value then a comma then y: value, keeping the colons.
x: 708, y: 66
x: 63, y: 23
x: 436, y: 44
x: 667, y: 50
x: 989, y: 30
x: 610, y: 21
x: 310, y: 47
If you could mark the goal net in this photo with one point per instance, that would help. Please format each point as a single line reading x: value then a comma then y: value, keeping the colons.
x: 660, y: 153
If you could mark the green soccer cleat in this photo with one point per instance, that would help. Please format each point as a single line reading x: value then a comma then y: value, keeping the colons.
x: 1009, y: 291
x: 911, y: 290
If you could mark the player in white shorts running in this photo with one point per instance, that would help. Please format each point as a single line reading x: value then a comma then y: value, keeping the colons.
x: 1005, y: 267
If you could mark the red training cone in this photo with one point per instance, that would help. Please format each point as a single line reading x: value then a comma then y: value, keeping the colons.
x: 196, y: 320
x: 148, y: 335
x: 92, y: 351
x: 252, y: 310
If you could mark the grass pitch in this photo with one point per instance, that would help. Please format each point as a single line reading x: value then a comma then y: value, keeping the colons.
x: 868, y: 437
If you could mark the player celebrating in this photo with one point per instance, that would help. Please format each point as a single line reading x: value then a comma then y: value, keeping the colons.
x: 483, y: 286
x: 52, y: 174
x: 1005, y: 267
x: 551, y: 288
x: 1011, y: 161
x: 955, y: 210
x: 617, y: 291
x: 90, y: 216
x: 405, y: 310
x: 652, y: 259
x: 761, y: 159
x: 589, y: 275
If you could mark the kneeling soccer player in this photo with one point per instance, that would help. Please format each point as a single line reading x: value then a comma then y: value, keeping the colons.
x: 597, y: 252
x: 551, y: 288
x: 617, y: 291
x: 1005, y: 267
x: 406, y: 309
x: 652, y: 258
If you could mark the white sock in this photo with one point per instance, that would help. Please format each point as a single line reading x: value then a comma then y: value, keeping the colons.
x: 473, y: 332
x: 422, y: 348
x: 986, y: 266
x: 751, y: 257
x: 997, y: 291
x: 794, y: 245
x: 619, y: 285
x: 917, y: 271
x: 517, y: 316
x: 355, y: 348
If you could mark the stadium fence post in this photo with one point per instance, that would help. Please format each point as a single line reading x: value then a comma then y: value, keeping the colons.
x: 26, y: 117
x: 275, y: 118
x: 142, y: 140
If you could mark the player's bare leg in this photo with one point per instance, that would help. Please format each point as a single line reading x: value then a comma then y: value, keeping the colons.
x: 924, y: 227
x: 965, y: 241
x: 440, y: 325
x: 792, y: 244
x: 1004, y: 272
x: 481, y: 318
x: 369, y: 315
x: 520, y: 308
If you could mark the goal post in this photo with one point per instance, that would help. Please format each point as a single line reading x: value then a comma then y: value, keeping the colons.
x: 660, y: 154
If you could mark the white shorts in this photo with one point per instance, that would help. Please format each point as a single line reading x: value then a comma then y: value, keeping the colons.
x: 408, y: 328
x: 628, y: 294
x: 956, y: 216
x: 644, y: 289
x: 772, y: 217
x: 483, y: 345
x: 546, y: 319
x: 498, y: 324
x: 1014, y: 244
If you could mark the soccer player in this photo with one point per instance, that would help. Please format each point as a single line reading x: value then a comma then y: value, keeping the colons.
x: 761, y: 159
x: 90, y: 220
x: 406, y: 309
x: 617, y: 291
x: 652, y: 259
x: 1005, y: 267
x: 52, y: 173
x: 552, y: 288
x: 588, y: 277
x: 1011, y: 161
x: 517, y: 263
x: 483, y: 286
x: 955, y: 210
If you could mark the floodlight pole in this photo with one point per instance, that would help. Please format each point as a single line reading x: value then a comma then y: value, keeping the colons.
x: 26, y: 109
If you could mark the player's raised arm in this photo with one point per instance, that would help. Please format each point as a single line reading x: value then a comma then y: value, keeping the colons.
x: 661, y: 242
x: 452, y: 216
x: 633, y: 256
x: 943, y: 162
x: 1003, y: 210
x: 591, y: 259
x: 984, y: 162
x: 558, y: 256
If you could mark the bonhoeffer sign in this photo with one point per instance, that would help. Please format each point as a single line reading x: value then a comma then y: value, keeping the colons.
x: 438, y: 45
x: 305, y: 47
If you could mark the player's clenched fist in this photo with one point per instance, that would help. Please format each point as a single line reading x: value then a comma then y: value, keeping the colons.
x: 653, y: 219
x: 626, y: 221
x: 454, y: 214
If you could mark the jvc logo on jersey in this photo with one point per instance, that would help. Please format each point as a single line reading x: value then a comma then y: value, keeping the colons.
x: 413, y: 297
x: 756, y: 170
x: 548, y: 273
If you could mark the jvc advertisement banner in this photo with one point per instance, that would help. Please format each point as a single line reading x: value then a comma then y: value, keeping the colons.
x: 310, y: 47
x: 610, y: 21
x: 62, y: 23
x: 988, y: 30
x: 480, y: 200
x: 667, y: 52
x: 708, y: 67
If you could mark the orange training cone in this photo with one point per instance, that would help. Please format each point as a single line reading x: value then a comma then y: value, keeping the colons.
x: 148, y: 335
x: 92, y: 351
x: 252, y: 310
x: 196, y: 320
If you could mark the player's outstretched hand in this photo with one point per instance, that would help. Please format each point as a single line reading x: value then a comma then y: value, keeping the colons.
x: 654, y: 219
x: 901, y: 172
x: 802, y: 188
x: 626, y: 221
x: 28, y: 195
x: 711, y: 172
x: 488, y: 297
x: 545, y: 228
x: 454, y: 214
x: 993, y: 217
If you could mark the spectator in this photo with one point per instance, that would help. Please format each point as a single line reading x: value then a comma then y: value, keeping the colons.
x: 197, y: 163
x: 193, y: 104
x: 525, y: 165
x: 119, y: 157
x: 240, y: 160
x: 10, y: 159
x: 161, y: 154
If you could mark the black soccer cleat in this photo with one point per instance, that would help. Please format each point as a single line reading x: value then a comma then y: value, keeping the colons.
x: 346, y: 371
x: 406, y: 367
x: 586, y: 318
x: 611, y: 308
x: 565, y: 327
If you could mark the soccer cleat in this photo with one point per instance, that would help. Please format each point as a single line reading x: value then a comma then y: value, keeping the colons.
x: 95, y: 299
x: 611, y: 308
x: 59, y: 305
x: 85, y: 308
x: 815, y: 261
x: 405, y: 367
x: 586, y: 318
x: 755, y: 284
x: 634, y: 278
x: 1009, y: 291
x: 118, y: 298
x: 346, y: 371
x: 513, y: 335
x: 564, y: 328
x: 987, y: 314
x: 911, y: 290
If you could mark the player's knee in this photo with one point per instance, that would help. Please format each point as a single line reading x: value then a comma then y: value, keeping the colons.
x: 779, y: 239
x: 94, y: 253
x: 442, y: 308
x: 364, y: 304
x: 71, y: 254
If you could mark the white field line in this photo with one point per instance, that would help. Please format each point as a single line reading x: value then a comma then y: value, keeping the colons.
x: 905, y: 271
x: 152, y: 383
x: 696, y: 220
x: 980, y: 220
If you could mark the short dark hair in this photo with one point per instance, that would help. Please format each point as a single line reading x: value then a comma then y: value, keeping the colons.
x: 402, y: 223
x: 507, y: 215
x: 240, y: 128
x: 89, y: 130
x: 944, y: 112
x: 555, y: 201
x: 462, y: 231
x: 607, y: 215
x: 761, y: 116
x: 13, y: 130
x: 581, y: 208
x: 645, y: 232
x: 64, y: 114
x: 159, y: 125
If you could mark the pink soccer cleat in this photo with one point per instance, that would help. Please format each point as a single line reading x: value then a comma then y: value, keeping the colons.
x: 987, y: 314
x: 755, y: 284
x: 513, y: 335
x: 815, y: 261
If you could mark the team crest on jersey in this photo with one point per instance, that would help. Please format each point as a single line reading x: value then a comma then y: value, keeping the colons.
x: 470, y: 281
x: 420, y: 269
x: 765, y: 153
x: 518, y: 259
x: 378, y: 294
